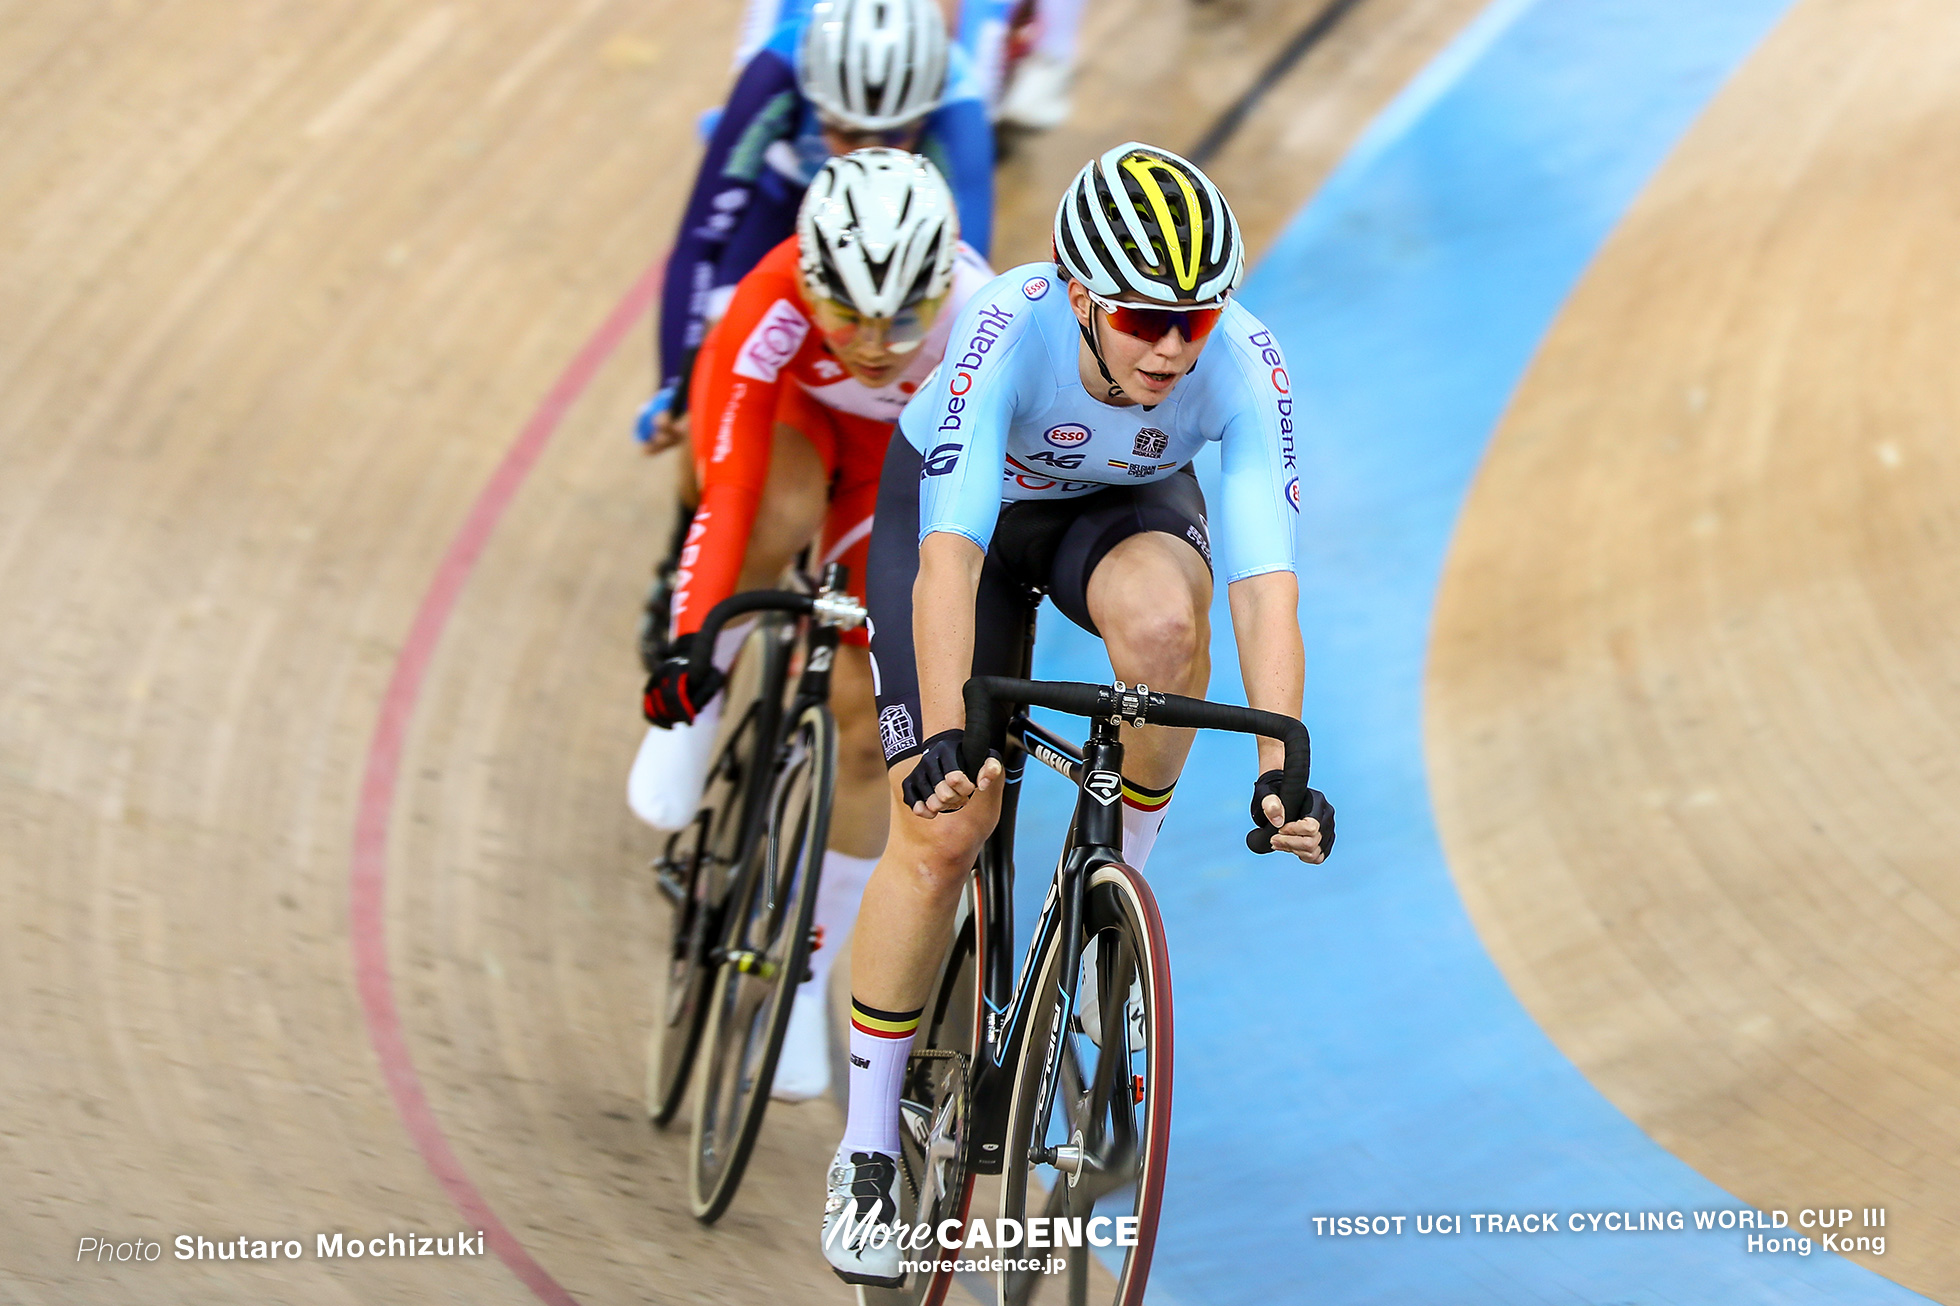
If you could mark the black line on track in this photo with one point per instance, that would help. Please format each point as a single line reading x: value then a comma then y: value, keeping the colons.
x: 1233, y: 118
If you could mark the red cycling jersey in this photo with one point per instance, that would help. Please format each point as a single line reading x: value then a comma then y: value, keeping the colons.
x: 766, y: 363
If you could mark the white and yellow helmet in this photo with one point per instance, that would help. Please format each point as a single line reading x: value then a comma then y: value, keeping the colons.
x: 877, y: 232
x: 1146, y: 222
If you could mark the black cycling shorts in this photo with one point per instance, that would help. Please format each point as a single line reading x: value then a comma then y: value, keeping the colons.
x: 1049, y: 544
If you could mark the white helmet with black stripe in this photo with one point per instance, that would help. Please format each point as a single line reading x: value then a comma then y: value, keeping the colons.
x: 1145, y: 222
x: 874, y: 65
x: 878, y: 232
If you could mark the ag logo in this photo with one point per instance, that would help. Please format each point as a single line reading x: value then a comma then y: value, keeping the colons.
x: 1068, y: 462
x: 1104, y: 786
x: 1035, y: 287
x: 942, y: 459
x: 1067, y: 436
x: 1293, y: 493
x: 1150, y: 443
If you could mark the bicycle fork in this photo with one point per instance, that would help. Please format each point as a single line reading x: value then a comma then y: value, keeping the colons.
x: 1097, y: 839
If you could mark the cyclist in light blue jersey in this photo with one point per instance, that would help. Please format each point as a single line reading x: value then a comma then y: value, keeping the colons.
x: 1052, y: 448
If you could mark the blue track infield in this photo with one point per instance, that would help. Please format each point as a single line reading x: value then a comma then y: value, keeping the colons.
x: 1345, y: 1045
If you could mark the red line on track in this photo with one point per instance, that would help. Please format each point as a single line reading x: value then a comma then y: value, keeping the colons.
x: 367, y: 886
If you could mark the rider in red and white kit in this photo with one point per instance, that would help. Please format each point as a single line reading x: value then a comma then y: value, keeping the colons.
x: 796, y: 392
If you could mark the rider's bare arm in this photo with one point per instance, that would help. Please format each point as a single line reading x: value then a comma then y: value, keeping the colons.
x: 1266, y: 623
x: 1272, y: 658
x: 942, y: 634
x: 942, y: 625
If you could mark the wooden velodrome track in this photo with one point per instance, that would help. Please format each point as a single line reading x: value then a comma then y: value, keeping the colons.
x: 1694, y: 706
x: 280, y: 286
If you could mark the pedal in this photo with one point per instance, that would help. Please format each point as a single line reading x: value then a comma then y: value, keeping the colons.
x: 747, y: 962
x: 668, y: 882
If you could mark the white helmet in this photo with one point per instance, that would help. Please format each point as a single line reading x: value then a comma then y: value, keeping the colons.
x: 877, y: 231
x: 872, y: 65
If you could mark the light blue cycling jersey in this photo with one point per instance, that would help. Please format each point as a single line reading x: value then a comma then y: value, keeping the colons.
x: 1005, y: 418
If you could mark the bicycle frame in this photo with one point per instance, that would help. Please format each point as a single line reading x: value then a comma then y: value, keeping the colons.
x: 1095, y: 837
x: 822, y: 620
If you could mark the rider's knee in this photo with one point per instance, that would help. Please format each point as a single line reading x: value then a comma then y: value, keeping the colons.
x: 1160, y: 644
x: 938, y: 853
x: 860, y: 758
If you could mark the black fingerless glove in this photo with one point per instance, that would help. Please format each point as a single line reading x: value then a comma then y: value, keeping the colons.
x: 939, y: 758
x: 1316, y: 807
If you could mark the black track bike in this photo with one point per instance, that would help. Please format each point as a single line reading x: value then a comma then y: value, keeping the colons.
x: 1056, y: 1091
x: 742, y: 879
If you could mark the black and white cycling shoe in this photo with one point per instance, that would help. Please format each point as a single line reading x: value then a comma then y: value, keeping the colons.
x: 861, y: 1220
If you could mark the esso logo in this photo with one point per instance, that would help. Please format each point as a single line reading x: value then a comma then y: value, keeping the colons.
x: 1293, y: 493
x: 1035, y: 287
x: 1067, y: 436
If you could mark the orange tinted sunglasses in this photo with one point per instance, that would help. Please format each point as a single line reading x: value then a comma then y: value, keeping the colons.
x: 1153, y: 324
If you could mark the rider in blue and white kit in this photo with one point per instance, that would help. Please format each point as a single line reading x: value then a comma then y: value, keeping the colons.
x: 1052, y: 448
x: 848, y: 74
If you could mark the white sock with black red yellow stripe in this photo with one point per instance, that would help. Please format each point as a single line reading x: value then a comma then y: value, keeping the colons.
x: 880, y: 1043
x: 1143, y: 817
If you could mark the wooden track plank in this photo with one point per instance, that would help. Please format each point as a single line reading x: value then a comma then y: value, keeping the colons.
x: 1692, y: 707
x: 280, y: 284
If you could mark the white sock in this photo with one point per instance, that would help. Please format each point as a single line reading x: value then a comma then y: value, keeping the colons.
x: 1143, y: 817
x: 664, y: 786
x: 880, y: 1043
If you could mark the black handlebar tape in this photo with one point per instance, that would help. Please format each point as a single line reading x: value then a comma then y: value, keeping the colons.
x: 989, y: 698
x: 734, y: 606
x: 1178, y: 711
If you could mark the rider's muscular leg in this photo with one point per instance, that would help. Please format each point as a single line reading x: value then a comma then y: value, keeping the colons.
x: 793, y: 502
x: 906, y: 922
x: 1151, y: 599
x: 904, y: 929
x: 859, y: 813
x: 858, y: 810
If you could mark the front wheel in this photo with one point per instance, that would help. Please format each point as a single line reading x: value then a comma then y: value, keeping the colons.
x: 699, y: 864
x: 1094, y: 1173
x: 765, y: 958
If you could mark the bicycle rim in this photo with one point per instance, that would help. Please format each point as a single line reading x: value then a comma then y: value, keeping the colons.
x: 703, y: 859
x: 933, y: 1113
x: 768, y: 946
x: 1113, y: 1101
